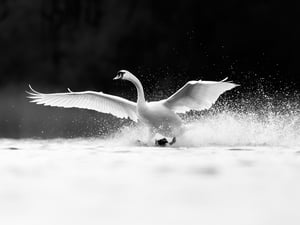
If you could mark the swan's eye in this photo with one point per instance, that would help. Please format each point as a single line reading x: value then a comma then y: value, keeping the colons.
x: 120, y: 75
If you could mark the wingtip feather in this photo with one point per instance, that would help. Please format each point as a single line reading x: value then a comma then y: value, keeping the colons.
x: 32, y: 91
x: 225, y: 79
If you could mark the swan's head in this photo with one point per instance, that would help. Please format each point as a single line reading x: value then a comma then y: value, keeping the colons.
x: 123, y: 75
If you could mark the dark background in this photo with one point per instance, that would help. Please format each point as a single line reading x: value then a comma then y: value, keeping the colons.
x: 81, y: 44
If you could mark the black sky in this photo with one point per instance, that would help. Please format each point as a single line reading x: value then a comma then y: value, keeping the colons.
x: 82, y: 43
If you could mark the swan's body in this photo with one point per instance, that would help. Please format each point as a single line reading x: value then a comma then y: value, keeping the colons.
x: 160, y: 119
x: 160, y: 116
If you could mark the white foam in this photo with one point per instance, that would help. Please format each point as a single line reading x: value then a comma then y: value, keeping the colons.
x: 231, y: 129
x: 228, y: 129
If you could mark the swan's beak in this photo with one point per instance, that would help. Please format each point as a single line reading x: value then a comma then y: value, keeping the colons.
x: 117, y: 77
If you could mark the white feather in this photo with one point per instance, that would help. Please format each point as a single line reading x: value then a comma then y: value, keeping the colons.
x: 197, y: 95
x: 97, y: 101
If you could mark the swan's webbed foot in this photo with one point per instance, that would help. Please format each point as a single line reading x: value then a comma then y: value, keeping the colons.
x: 161, y: 142
x: 164, y: 142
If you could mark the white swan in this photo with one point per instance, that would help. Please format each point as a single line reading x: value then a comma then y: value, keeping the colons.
x: 160, y: 116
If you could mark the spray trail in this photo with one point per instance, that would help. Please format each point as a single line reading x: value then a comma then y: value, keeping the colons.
x: 232, y: 129
x: 228, y: 129
x: 256, y: 118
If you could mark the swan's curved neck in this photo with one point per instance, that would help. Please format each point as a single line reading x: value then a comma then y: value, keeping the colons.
x: 139, y: 88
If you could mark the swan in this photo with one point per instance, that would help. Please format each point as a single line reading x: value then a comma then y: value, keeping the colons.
x: 160, y: 116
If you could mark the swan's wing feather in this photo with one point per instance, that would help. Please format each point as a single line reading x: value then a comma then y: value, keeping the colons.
x: 97, y: 101
x: 197, y: 95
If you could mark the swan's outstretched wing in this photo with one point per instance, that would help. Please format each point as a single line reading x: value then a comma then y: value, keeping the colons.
x: 97, y: 101
x: 197, y: 95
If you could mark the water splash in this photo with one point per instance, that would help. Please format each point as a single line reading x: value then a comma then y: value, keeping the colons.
x: 234, y: 129
x: 228, y: 129
x: 263, y: 117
